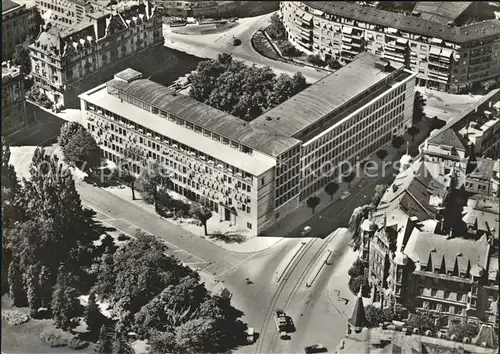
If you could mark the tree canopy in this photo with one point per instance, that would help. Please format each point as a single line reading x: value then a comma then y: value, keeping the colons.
x: 418, y: 107
x: 241, y: 90
x: 82, y: 151
x: 276, y: 29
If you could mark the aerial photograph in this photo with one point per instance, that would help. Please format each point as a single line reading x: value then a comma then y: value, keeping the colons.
x: 201, y: 176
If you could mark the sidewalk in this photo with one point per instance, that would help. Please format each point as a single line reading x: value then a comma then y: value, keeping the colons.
x: 251, y: 245
x: 291, y: 222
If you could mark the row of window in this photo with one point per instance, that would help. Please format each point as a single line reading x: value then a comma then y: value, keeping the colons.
x: 174, y: 176
x: 164, y: 140
x: 444, y: 308
x: 182, y: 122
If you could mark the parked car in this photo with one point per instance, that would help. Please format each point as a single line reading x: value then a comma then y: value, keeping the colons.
x: 345, y: 195
x: 250, y: 335
x: 305, y: 231
x: 316, y: 348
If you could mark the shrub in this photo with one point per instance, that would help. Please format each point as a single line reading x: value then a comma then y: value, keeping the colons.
x: 123, y: 237
x: 15, y: 317
x: 315, y: 60
x: 463, y: 330
x: 357, y: 269
x: 423, y: 321
x: 77, y: 344
x: 374, y: 315
x: 356, y: 282
x: 54, y: 338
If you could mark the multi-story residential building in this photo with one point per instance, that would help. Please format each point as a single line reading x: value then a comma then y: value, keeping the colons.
x: 484, y: 132
x: 446, y: 57
x: 433, y: 245
x: 19, y: 22
x: 13, y: 100
x: 65, y: 13
x: 250, y: 173
x: 63, y: 56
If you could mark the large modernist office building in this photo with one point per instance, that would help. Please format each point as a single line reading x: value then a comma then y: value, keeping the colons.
x: 446, y: 53
x: 253, y: 174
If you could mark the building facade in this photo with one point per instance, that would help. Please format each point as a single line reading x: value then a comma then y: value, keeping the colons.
x: 62, y: 56
x: 446, y: 57
x: 254, y: 173
x: 432, y: 243
x: 13, y: 100
x: 19, y: 22
x: 484, y: 133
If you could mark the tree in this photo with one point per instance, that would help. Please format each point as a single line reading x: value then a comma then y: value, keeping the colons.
x: 105, y: 343
x: 413, y: 131
x: 423, y: 321
x: 121, y: 345
x: 105, y: 284
x: 331, y: 188
x: 16, y: 286
x: 203, y: 213
x: 348, y: 179
x: 463, y: 330
x: 194, y: 336
x: 163, y: 342
x: 360, y: 281
x: 357, y: 216
x: 65, y: 303
x: 288, y: 50
x: 12, y: 210
x: 276, y: 30
x: 397, y: 142
x: 313, y: 202
x: 374, y: 315
x: 357, y: 269
x: 418, y: 107
x: 378, y: 194
x: 82, y: 150
x: 134, y: 155
x: 152, y: 179
x: 22, y: 58
x: 67, y: 132
x: 382, y: 154
x: 316, y: 60
x: 32, y: 287
x: 45, y: 286
x: 333, y: 64
x: 93, y: 315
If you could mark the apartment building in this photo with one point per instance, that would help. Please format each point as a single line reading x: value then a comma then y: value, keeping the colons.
x: 65, y: 13
x: 19, y: 22
x: 483, y: 133
x: 13, y: 100
x: 250, y: 173
x: 433, y: 245
x: 446, y: 57
x: 61, y: 56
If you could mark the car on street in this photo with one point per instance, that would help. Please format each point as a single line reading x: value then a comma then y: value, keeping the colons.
x: 305, y: 231
x: 250, y: 335
x: 345, y: 195
x: 316, y: 348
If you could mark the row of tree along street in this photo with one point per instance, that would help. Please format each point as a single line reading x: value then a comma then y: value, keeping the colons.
x: 51, y: 259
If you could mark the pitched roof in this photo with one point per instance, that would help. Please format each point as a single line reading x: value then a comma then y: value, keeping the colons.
x: 441, y: 11
x: 463, y: 34
x: 9, y: 5
x: 487, y: 335
x: 448, y: 137
x: 358, y: 318
x: 425, y: 246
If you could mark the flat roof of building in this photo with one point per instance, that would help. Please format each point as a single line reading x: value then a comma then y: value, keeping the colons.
x: 441, y: 11
x: 9, y: 5
x: 253, y: 164
x: 327, y: 94
x: 207, y: 117
x: 464, y: 34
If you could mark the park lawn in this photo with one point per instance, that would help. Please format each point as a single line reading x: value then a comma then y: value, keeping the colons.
x: 26, y: 337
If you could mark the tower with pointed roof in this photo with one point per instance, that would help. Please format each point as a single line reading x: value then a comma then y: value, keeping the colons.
x: 358, y: 319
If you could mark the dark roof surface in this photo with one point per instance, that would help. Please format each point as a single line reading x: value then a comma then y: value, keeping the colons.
x: 449, y: 137
x: 441, y: 11
x: 412, y: 24
x: 9, y: 5
x: 205, y: 116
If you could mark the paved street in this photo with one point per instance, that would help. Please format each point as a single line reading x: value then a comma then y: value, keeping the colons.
x: 211, y: 45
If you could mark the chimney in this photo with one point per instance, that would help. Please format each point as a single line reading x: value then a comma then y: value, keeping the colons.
x: 450, y: 234
x: 8, y: 64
